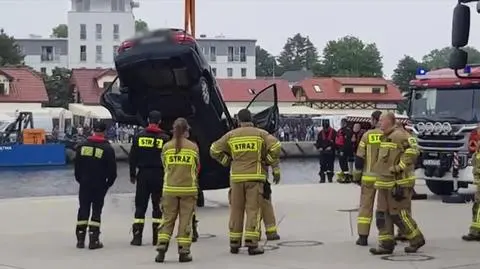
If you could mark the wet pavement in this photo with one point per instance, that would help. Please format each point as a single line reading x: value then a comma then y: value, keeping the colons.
x: 316, y: 223
x: 33, y: 182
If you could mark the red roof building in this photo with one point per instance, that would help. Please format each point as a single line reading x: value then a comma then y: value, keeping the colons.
x: 348, y: 93
x: 89, y: 84
x: 21, y: 85
x: 244, y: 90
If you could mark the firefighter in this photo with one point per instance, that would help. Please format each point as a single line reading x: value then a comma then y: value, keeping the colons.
x: 474, y: 232
x: 326, y: 145
x: 366, y: 157
x: 146, y: 156
x: 95, y: 171
x: 344, y: 145
x: 268, y: 212
x: 248, y: 149
x: 394, y: 169
x: 181, y: 162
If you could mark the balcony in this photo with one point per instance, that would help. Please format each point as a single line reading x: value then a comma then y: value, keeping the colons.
x: 50, y: 58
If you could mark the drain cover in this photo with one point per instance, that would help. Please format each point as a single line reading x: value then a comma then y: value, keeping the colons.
x: 266, y: 248
x: 408, y: 258
x: 300, y: 243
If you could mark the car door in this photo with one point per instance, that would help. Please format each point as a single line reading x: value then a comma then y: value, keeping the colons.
x: 264, y: 107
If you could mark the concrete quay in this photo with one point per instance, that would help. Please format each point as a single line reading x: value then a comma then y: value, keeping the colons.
x: 38, y: 233
x: 301, y: 149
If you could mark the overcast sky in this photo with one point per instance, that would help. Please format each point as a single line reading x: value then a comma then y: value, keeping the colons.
x: 398, y: 27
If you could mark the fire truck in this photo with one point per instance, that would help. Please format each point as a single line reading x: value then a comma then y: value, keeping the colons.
x: 444, y: 111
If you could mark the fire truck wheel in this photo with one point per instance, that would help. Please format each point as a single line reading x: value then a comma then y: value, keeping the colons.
x: 440, y: 187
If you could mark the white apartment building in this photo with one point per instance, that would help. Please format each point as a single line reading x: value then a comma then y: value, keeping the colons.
x: 230, y: 58
x: 95, y: 30
x: 44, y: 54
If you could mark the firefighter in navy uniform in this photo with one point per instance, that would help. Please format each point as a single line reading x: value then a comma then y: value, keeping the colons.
x: 95, y: 171
x: 180, y: 191
x: 366, y: 157
x: 326, y: 145
x: 146, y: 156
x: 249, y: 150
x: 344, y: 145
x: 394, y: 169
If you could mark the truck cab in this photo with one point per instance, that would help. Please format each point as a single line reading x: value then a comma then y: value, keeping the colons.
x: 444, y: 111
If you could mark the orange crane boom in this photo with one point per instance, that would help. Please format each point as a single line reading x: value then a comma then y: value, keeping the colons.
x: 190, y: 17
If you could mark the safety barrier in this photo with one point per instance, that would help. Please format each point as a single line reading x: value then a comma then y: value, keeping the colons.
x: 289, y: 150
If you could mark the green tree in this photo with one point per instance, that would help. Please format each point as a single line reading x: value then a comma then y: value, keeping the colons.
x: 60, y: 94
x: 405, y: 71
x: 10, y: 53
x: 141, y: 26
x: 61, y: 31
x: 439, y: 58
x: 350, y: 56
x: 298, y: 53
x: 266, y: 63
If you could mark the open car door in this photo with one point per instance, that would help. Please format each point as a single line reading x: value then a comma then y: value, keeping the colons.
x: 264, y: 107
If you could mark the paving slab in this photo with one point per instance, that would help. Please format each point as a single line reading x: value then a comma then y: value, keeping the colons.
x: 38, y: 233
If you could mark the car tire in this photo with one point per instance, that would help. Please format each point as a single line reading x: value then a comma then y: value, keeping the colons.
x: 205, y: 90
x: 440, y: 188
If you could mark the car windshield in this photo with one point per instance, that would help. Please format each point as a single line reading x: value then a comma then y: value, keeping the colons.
x: 459, y: 105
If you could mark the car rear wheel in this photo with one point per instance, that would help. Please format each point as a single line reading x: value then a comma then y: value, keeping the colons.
x: 440, y: 187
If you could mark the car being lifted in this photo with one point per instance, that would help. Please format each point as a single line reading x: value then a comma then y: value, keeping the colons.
x: 165, y: 70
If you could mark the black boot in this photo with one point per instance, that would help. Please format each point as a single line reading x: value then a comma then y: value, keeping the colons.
x: 471, y: 237
x: 255, y: 251
x: 330, y: 177
x: 155, y: 227
x: 137, y: 230
x: 184, y: 255
x: 322, y: 177
x: 94, y: 239
x: 413, y: 248
x: 362, y: 240
x: 161, y: 250
x: 194, y: 229
x: 381, y: 251
x: 234, y: 247
x: 272, y: 236
x: 81, y: 232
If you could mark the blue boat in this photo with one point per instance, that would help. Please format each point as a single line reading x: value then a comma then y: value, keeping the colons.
x: 20, y: 146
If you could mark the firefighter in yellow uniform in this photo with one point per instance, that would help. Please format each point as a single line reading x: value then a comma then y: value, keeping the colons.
x: 249, y: 149
x: 268, y: 213
x: 474, y: 232
x: 367, y: 155
x: 394, y: 185
x: 180, y: 158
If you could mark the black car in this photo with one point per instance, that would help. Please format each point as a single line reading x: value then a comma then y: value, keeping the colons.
x: 166, y: 71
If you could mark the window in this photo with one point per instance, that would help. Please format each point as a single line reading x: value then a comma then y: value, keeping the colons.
x: 118, y: 5
x: 214, y: 71
x: 376, y: 90
x: 348, y: 90
x: 83, y: 53
x: 83, y: 31
x: 317, y: 88
x: 3, y: 88
x: 43, y: 70
x: 98, y: 54
x: 116, y: 32
x: 230, y: 54
x: 213, y: 54
x: 115, y: 51
x: 243, y: 54
x: 106, y: 84
x: 82, y: 5
x: 204, y: 51
x: 229, y: 72
x: 98, y: 31
x: 47, y: 54
x: 244, y: 72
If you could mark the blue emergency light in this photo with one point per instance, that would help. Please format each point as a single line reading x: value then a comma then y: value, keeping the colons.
x: 421, y: 71
x: 467, y: 69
